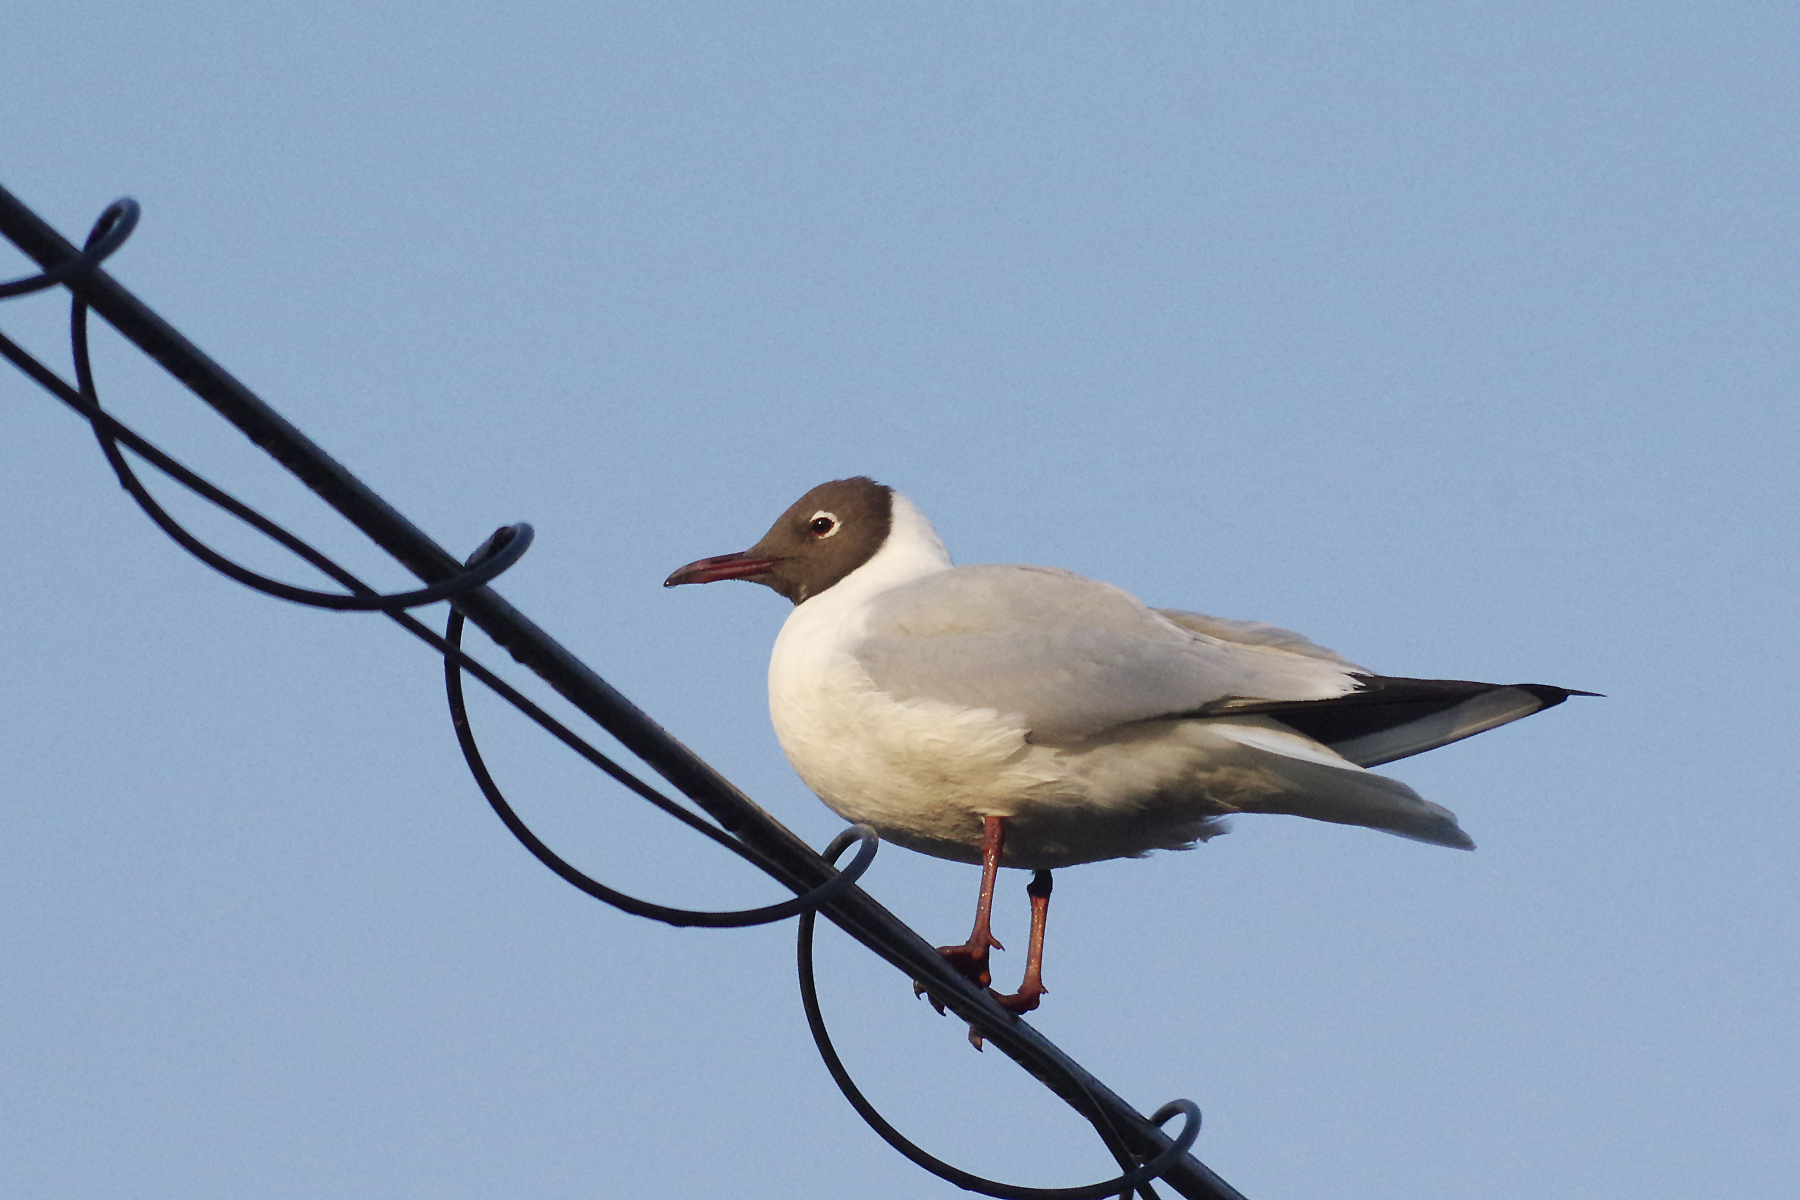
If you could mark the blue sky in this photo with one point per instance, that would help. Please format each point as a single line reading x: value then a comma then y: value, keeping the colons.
x: 1461, y: 340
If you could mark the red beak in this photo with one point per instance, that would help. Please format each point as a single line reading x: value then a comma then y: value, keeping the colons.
x: 725, y: 566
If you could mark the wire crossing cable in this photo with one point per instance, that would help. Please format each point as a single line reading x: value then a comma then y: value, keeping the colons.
x: 762, y: 839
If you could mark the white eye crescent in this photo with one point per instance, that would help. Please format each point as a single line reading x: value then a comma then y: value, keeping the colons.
x: 823, y: 524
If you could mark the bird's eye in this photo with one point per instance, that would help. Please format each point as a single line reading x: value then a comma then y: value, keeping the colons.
x: 822, y: 524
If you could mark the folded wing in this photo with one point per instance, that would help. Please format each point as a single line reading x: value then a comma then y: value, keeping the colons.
x: 1071, y: 657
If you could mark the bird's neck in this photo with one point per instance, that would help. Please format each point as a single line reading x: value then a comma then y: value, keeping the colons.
x: 911, y: 550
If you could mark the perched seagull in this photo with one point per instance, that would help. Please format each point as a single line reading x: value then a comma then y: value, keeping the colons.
x: 1028, y: 717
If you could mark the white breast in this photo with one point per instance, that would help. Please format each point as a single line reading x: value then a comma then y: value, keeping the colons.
x: 914, y: 770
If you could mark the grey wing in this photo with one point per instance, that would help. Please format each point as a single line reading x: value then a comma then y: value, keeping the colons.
x: 1068, y: 656
x: 1255, y: 633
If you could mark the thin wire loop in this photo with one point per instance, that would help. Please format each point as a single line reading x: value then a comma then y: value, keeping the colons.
x: 1121, y: 1186
x: 366, y: 600
x: 806, y: 904
x: 108, y: 234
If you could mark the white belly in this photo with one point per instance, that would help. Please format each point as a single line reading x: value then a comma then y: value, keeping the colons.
x: 924, y: 774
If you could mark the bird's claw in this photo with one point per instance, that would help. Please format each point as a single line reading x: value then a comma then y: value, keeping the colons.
x: 1021, y: 1001
x: 1018, y: 1004
x: 970, y: 960
x: 920, y: 990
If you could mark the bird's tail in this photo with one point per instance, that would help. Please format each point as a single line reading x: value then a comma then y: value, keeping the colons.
x: 1314, y: 781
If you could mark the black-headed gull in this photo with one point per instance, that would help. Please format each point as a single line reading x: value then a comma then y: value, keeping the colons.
x: 1028, y: 717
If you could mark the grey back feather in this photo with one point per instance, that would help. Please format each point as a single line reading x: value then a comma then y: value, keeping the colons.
x: 1071, y: 657
x: 1255, y: 633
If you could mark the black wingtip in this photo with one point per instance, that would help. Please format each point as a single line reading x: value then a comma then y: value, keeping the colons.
x: 1551, y: 695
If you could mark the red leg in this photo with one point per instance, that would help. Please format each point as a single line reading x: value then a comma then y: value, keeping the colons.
x: 1026, y: 998
x: 971, y: 958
